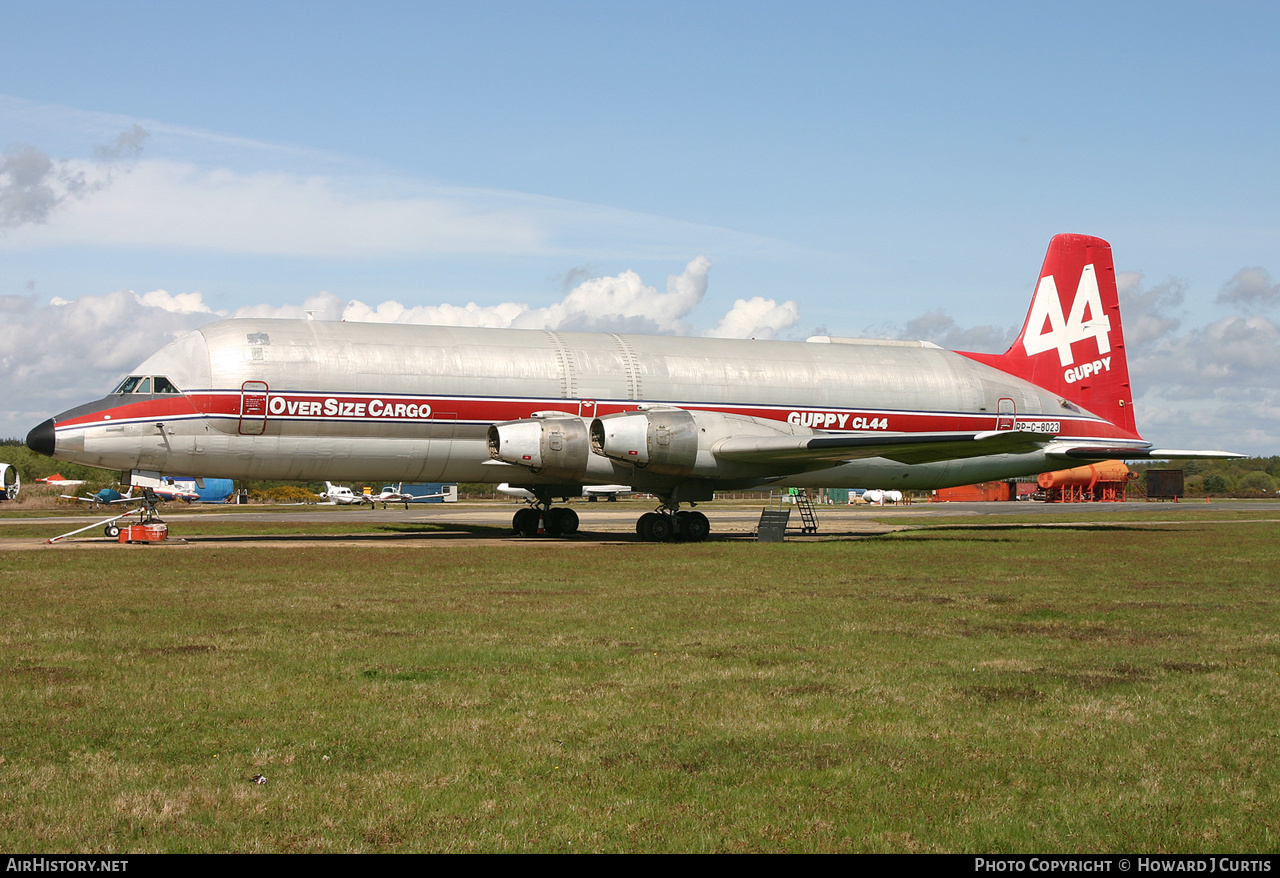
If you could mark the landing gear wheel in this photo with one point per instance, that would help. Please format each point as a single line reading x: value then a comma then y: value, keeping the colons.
x: 654, y: 527
x: 562, y: 521
x: 694, y: 526
x: 553, y: 521
x: 112, y: 531
x: 525, y: 522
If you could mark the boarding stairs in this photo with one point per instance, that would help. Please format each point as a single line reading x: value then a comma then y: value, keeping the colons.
x: 783, y: 501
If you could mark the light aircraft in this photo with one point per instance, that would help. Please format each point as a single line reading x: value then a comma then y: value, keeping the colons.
x: 397, y: 494
x: 171, y: 491
x: 343, y: 496
x: 681, y: 418
x: 105, y: 497
x: 164, y: 493
x: 202, y: 490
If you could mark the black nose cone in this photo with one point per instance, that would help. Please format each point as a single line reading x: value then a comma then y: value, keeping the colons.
x: 41, y: 439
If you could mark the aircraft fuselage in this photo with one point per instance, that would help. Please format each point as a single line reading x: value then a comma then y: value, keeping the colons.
x: 310, y: 400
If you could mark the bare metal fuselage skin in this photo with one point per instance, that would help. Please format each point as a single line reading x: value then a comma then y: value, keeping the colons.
x: 296, y: 399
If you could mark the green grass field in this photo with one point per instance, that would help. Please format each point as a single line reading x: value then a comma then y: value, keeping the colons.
x: 1078, y: 688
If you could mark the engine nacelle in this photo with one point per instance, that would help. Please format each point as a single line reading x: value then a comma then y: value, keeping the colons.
x: 676, y: 442
x: 664, y: 440
x: 553, y: 444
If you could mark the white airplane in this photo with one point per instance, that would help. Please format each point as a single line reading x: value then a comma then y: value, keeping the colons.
x: 551, y: 411
x: 170, y: 491
x: 343, y: 496
x: 608, y: 492
x: 397, y: 494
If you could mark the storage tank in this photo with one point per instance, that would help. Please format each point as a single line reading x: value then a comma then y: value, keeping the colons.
x: 1087, y: 476
x: 1103, y: 482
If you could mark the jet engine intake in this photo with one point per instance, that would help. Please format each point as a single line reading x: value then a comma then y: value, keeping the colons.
x: 554, y: 444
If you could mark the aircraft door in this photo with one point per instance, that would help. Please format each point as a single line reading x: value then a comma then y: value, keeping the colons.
x: 253, y: 408
x: 1006, y: 414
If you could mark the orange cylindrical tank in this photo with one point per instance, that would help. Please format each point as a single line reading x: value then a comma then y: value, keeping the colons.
x: 1086, y: 476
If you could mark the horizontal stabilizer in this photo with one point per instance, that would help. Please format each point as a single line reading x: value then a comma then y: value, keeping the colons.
x: 1128, y: 452
x: 908, y: 448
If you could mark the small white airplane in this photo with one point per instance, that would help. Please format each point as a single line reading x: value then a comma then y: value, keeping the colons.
x: 397, y: 495
x: 171, y: 491
x: 343, y: 496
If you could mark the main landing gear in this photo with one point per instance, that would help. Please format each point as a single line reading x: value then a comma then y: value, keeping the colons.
x: 550, y: 520
x: 540, y: 517
x: 669, y: 523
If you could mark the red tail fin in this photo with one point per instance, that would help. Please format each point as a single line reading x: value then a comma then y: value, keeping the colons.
x: 1072, y: 343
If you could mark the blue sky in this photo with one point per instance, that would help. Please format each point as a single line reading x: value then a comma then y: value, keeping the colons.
x: 768, y: 169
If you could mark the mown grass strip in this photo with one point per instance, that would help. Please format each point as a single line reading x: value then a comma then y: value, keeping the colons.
x: 1018, y: 689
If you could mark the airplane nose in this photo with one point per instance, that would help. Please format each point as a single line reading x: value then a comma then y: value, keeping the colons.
x: 41, y: 439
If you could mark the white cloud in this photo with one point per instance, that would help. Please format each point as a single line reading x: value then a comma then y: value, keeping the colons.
x: 168, y: 204
x: 1250, y: 288
x: 1149, y: 315
x: 177, y: 205
x: 322, y: 306
x: 756, y: 317
x: 60, y: 354
x: 617, y: 304
x: 941, y: 328
x: 34, y: 187
x: 182, y: 303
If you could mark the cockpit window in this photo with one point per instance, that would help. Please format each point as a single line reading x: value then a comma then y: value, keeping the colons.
x: 143, y: 384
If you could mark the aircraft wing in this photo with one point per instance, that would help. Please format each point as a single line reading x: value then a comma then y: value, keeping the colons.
x: 412, y: 498
x: 903, y: 447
